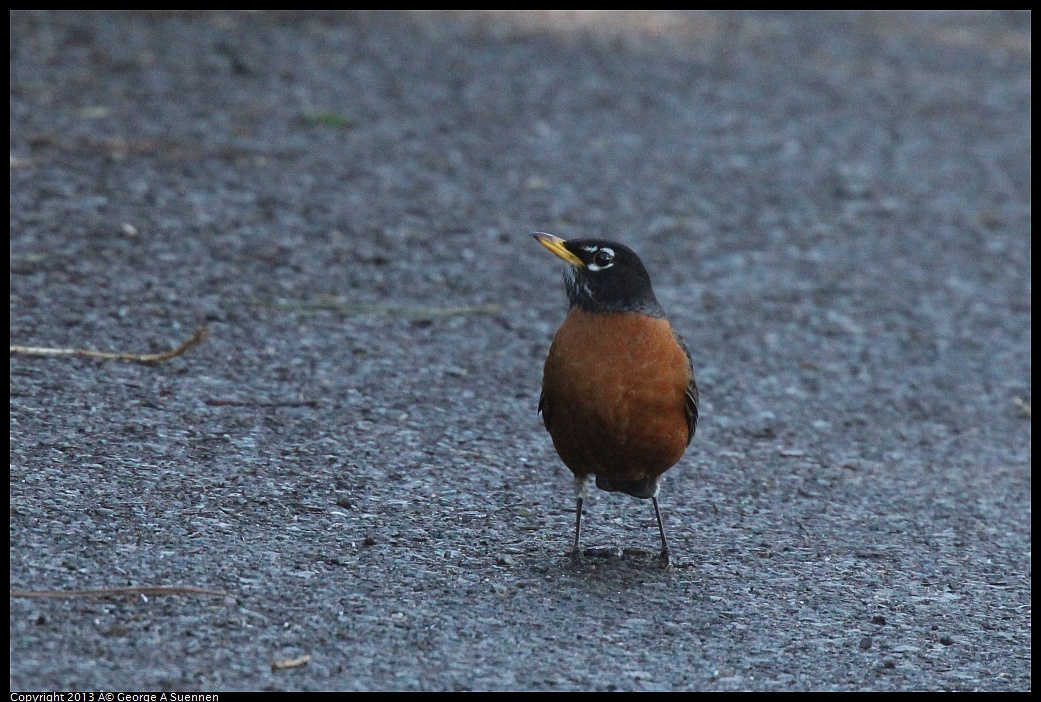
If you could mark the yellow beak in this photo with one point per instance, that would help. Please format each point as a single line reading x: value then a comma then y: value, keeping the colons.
x: 556, y: 245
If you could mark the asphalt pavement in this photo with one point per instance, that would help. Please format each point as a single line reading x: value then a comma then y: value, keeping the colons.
x: 835, y: 211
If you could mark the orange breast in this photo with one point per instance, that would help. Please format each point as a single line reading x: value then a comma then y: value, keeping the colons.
x: 614, y: 391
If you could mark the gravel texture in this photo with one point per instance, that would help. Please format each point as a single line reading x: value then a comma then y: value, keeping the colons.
x: 835, y: 209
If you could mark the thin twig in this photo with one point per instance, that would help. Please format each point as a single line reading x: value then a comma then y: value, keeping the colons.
x: 116, y: 591
x: 291, y: 662
x: 201, y: 334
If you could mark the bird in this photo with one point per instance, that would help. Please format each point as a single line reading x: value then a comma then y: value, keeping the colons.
x: 619, y: 397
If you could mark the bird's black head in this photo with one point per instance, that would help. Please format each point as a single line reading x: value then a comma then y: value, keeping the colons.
x: 604, y: 276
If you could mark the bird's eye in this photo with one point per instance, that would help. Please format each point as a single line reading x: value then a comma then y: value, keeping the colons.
x: 603, y: 258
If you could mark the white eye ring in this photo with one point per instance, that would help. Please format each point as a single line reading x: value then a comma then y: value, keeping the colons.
x: 603, y: 258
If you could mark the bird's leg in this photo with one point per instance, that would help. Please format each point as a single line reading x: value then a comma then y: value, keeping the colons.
x: 580, y: 494
x: 661, y: 530
x: 578, y: 522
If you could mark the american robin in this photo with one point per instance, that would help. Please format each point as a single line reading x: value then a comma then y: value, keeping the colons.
x: 618, y: 392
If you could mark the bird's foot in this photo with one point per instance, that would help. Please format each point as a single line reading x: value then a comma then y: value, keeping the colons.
x: 603, y: 552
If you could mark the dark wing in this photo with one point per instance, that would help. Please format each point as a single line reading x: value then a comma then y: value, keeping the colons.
x: 692, y: 409
x: 690, y: 395
x: 544, y: 408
